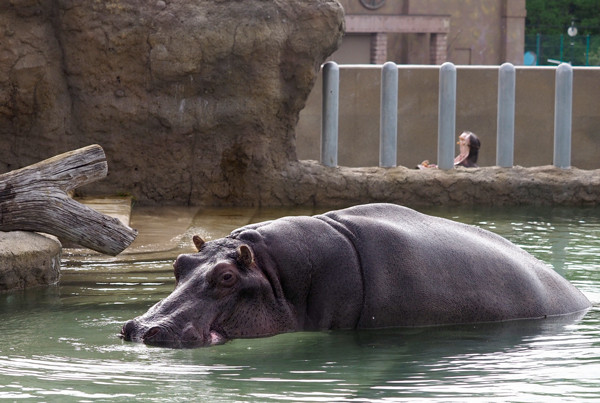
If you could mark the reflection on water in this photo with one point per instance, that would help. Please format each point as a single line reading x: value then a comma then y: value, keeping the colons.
x: 61, y: 344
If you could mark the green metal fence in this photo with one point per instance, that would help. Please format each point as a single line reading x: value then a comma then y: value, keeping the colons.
x: 549, y: 50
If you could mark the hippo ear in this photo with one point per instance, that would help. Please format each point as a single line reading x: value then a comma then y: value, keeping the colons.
x: 245, y: 255
x: 198, y: 241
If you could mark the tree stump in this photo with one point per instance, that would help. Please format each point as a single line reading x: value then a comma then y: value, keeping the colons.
x: 35, y: 198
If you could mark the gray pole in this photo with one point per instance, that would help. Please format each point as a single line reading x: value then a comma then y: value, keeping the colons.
x: 505, y: 133
x: 329, y: 125
x: 388, y: 121
x: 563, y: 105
x: 446, y: 116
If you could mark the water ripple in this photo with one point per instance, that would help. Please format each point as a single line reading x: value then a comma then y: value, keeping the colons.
x: 61, y: 343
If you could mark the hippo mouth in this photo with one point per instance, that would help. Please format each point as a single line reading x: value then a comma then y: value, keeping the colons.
x: 216, y: 338
x: 161, y: 336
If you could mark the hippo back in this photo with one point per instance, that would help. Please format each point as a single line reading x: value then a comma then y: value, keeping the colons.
x: 383, y: 265
x: 419, y: 270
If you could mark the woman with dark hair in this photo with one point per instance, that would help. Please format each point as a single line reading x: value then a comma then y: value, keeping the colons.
x: 469, y: 150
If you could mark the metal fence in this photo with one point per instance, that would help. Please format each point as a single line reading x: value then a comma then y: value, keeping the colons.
x: 388, y: 124
x: 547, y: 50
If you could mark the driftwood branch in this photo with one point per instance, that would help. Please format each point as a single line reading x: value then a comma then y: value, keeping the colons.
x: 35, y: 198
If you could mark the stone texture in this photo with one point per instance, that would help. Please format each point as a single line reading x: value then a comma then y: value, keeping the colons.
x: 308, y: 182
x: 28, y: 259
x: 193, y: 102
x: 197, y: 103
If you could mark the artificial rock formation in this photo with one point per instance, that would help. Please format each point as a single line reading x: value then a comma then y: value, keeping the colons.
x: 28, y: 259
x: 193, y: 102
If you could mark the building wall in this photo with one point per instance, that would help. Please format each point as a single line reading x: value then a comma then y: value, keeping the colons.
x: 476, y: 110
x: 481, y: 32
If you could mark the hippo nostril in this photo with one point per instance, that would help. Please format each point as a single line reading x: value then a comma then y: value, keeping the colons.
x: 151, y: 333
x: 128, y: 330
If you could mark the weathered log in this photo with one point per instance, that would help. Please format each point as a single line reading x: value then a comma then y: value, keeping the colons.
x: 35, y: 198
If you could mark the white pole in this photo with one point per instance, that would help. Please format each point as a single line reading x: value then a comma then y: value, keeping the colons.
x: 446, y: 116
x: 329, y: 126
x: 505, y: 133
x: 563, y: 106
x: 388, y: 121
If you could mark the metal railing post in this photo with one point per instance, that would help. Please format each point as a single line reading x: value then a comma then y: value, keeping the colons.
x: 446, y: 116
x: 505, y: 133
x: 330, y: 113
x: 563, y: 105
x: 388, y: 120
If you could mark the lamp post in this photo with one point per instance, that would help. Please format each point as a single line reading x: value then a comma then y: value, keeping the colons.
x: 572, y: 32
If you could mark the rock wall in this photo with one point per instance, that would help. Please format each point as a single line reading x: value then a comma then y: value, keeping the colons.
x: 193, y: 102
x: 314, y: 184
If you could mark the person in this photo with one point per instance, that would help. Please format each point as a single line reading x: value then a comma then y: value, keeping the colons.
x: 469, y: 145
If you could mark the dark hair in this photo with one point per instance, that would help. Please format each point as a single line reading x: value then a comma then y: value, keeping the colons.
x: 474, y: 144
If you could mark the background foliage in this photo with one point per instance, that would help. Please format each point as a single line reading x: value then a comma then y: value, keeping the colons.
x: 555, y: 16
x: 546, y: 31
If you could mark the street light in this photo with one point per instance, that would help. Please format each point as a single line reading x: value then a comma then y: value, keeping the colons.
x: 572, y: 30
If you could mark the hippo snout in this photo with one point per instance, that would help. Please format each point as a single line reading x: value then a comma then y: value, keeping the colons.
x: 188, y: 337
x: 132, y: 331
x: 128, y: 331
x: 152, y: 335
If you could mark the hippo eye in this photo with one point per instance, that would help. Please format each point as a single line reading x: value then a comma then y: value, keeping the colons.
x: 227, y: 279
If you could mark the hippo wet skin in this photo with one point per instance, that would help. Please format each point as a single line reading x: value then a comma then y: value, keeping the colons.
x: 369, y: 266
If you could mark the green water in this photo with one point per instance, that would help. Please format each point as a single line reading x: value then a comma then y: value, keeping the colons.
x: 61, y: 344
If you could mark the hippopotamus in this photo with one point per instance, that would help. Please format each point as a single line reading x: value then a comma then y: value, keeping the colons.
x: 368, y: 266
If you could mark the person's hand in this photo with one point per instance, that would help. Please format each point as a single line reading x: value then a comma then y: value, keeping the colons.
x: 426, y: 164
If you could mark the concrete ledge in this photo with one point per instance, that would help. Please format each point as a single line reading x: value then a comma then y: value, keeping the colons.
x: 28, y: 259
x: 310, y: 183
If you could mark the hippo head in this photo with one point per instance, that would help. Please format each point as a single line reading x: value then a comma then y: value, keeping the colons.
x: 221, y: 293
